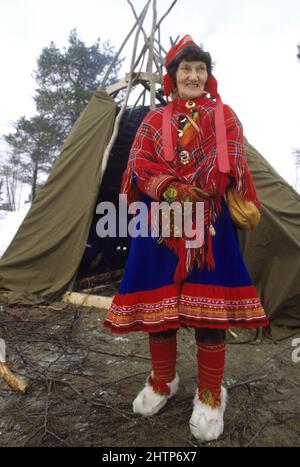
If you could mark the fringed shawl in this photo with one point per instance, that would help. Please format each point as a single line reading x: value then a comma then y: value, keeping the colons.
x: 148, y: 172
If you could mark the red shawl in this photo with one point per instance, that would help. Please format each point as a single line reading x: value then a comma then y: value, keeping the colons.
x: 148, y: 171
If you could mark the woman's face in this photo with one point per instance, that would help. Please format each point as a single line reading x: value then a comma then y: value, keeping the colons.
x: 191, y: 78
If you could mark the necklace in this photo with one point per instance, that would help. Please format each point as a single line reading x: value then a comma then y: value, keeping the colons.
x: 184, y: 156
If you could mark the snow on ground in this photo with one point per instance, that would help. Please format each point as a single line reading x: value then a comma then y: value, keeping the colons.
x: 9, y: 224
x: 11, y: 220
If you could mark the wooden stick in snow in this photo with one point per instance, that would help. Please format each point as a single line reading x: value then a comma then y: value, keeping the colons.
x: 18, y: 384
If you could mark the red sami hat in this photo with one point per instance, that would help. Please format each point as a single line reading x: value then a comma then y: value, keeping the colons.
x: 212, y: 88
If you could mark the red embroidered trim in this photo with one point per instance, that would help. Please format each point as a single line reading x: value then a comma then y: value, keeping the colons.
x: 211, y: 362
x: 159, y: 386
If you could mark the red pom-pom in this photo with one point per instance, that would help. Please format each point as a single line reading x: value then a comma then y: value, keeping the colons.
x: 169, y: 86
x: 212, y: 86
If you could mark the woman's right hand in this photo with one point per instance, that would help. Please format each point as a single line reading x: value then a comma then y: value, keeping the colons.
x: 184, y: 193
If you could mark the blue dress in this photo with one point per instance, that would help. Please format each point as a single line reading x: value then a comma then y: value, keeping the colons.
x: 149, y: 300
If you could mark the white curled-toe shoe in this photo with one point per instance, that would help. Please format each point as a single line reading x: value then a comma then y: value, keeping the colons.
x: 206, y: 423
x: 148, y: 402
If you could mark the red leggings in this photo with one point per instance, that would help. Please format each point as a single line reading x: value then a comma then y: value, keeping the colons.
x: 210, y: 359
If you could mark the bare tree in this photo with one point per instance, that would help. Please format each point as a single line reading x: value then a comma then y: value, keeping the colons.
x: 1, y: 188
x: 11, y: 182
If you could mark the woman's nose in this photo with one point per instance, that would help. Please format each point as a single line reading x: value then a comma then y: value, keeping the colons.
x: 194, y: 75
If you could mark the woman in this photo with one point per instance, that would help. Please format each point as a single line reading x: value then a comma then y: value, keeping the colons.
x: 190, y: 151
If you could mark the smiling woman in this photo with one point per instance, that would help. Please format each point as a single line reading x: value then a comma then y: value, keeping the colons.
x: 190, y: 151
x: 190, y: 68
x: 191, y: 78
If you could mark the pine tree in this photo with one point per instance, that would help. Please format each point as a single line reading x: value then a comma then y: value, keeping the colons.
x: 34, y: 148
x: 65, y: 81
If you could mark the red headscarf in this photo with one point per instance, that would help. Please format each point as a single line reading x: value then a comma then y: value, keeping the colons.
x: 212, y: 88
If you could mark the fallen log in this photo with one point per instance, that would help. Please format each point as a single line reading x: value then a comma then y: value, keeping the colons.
x: 17, y: 383
x: 88, y: 300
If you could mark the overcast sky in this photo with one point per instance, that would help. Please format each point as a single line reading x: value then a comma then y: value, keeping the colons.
x: 252, y: 42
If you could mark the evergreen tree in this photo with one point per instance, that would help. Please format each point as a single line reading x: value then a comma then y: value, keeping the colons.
x: 65, y: 81
x: 34, y: 146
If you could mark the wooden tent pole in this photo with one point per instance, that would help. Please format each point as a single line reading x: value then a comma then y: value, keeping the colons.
x: 142, y: 94
x: 133, y: 66
x: 108, y: 71
x: 151, y: 56
x: 147, y: 44
x: 157, y: 26
x: 124, y: 104
x: 159, y: 55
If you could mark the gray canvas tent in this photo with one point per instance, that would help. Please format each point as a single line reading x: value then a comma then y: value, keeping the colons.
x: 46, y: 253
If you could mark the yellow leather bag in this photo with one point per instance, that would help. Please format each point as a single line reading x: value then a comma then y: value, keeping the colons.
x: 244, y: 213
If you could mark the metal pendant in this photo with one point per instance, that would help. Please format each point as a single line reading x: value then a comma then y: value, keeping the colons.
x: 184, y: 157
x: 212, y: 230
x: 190, y: 104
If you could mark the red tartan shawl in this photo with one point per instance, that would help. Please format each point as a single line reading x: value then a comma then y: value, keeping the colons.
x: 148, y: 172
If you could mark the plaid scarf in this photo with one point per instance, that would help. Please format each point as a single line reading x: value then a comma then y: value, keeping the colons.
x: 148, y: 171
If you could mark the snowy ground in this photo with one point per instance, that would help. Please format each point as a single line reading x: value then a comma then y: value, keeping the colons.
x: 9, y: 224
x: 11, y: 220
